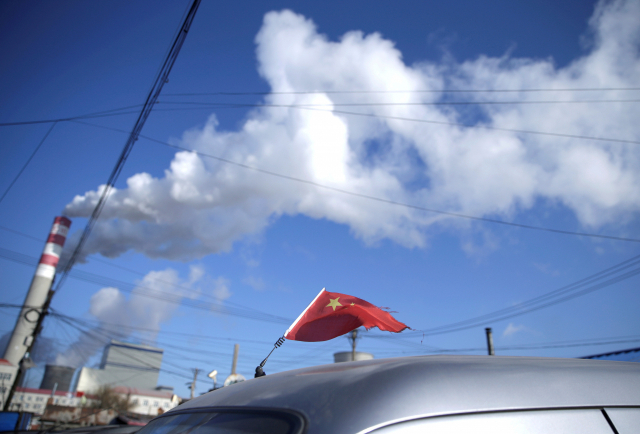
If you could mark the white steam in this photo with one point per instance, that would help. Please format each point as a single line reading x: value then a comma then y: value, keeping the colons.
x: 203, y: 206
x: 152, y: 302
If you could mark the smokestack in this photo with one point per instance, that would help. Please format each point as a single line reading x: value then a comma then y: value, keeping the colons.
x: 489, y: 341
x: 236, y: 348
x: 37, y: 296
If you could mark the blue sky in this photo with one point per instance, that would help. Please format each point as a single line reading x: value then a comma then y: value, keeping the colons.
x: 259, y: 247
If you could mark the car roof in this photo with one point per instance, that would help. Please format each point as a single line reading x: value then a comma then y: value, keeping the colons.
x: 351, y: 396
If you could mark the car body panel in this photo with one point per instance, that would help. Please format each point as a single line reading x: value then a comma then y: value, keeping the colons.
x: 354, y: 396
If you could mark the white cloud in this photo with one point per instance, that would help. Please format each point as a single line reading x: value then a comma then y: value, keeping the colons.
x: 221, y: 289
x: 254, y: 282
x: 512, y: 329
x: 546, y: 269
x: 203, y: 206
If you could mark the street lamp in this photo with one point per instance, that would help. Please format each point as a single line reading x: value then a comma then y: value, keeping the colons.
x: 213, y: 375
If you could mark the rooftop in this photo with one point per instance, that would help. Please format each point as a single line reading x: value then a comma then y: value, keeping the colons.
x: 398, y: 388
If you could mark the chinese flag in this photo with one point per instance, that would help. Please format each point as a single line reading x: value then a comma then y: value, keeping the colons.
x: 332, y: 314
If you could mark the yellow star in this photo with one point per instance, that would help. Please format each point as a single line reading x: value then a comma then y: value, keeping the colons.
x: 353, y: 304
x: 334, y: 303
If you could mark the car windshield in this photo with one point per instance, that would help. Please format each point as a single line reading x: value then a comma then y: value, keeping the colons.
x: 224, y: 422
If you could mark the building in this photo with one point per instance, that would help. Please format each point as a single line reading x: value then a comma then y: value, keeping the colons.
x: 123, y: 364
x: 148, y: 402
x: 8, y: 372
x: 347, y: 356
x: 35, y: 400
x: 145, y: 402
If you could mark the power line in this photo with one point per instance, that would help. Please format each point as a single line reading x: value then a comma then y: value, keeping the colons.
x: 205, y: 105
x: 27, y: 162
x: 95, y: 334
x: 555, y: 293
x: 374, y: 198
x: 100, y: 114
x: 392, y: 202
x: 557, y: 296
x: 130, y: 270
x: 144, y: 291
x: 161, y: 79
x: 301, y: 358
x: 538, y: 345
x: 517, y: 347
x: 594, y: 89
x: 399, y: 104
x: 97, y: 323
x: 486, y: 127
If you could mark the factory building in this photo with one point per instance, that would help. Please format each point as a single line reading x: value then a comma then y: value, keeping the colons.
x: 123, y: 364
x: 8, y: 373
x: 149, y: 402
x: 144, y: 402
x: 35, y: 400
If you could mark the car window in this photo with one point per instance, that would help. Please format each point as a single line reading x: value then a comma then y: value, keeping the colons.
x: 515, y: 422
x: 225, y: 422
x: 626, y: 420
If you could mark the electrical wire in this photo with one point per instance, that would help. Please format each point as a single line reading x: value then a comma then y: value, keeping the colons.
x: 225, y: 105
x: 242, y: 312
x: 593, y: 89
x: 374, y: 198
x: 552, y: 298
x: 306, y: 357
x: 33, y: 154
x: 528, y: 347
x: 130, y: 270
x: 560, y: 295
x: 161, y: 79
x: 100, y: 114
x: 394, y: 104
x: 101, y: 335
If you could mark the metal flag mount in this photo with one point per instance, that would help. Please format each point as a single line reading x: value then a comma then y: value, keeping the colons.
x: 259, y: 371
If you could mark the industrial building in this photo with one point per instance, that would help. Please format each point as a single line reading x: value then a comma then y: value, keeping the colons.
x: 35, y: 400
x: 148, y: 402
x: 7, y: 376
x: 144, y: 402
x: 123, y: 364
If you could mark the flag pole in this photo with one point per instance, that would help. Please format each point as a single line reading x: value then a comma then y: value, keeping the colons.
x: 303, y: 312
x: 259, y: 371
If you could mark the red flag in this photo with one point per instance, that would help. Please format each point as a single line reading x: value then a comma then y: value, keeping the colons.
x: 332, y: 314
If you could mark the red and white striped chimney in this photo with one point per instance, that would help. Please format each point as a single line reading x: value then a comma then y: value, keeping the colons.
x: 53, y: 248
x: 37, y: 295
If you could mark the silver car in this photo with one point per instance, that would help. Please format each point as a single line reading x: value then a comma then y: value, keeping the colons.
x: 425, y: 394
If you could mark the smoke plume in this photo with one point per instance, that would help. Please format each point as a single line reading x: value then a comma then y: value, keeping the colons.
x: 202, y: 205
x: 151, y: 303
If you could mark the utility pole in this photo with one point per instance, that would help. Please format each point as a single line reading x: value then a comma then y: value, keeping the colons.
x: 39, y: 296
x: 489, y: 341
x: 193, y: 383
x: 352, y: 338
